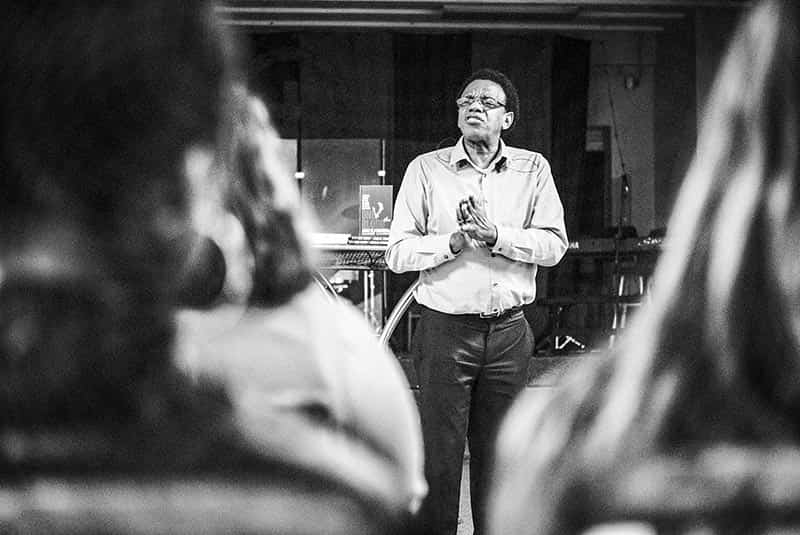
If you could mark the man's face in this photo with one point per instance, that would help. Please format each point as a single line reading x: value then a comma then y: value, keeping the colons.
x: 482, y: 114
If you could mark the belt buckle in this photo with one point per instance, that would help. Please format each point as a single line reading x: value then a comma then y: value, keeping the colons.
x: 493, y: 314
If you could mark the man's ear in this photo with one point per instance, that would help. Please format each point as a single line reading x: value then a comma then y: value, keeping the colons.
x: 508, y: 120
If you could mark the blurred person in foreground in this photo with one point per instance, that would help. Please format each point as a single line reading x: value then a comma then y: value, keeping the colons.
x: 714, y: 358
x: 110, y: 116
x: 284, y: 347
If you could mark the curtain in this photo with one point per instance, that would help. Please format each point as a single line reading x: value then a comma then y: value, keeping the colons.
x: 429, y: 70
x: 570, y: 89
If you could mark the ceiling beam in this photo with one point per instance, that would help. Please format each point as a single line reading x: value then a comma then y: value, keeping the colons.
x: 328, y: 11
x: 464, y: 15
x: 491, y: 4
x: 439, y: 25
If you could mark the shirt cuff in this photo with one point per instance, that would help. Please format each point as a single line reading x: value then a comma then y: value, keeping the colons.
x: 441, y: 248
x: 502, y: 245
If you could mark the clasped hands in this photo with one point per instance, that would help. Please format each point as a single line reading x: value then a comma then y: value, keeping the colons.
x: 473, y: 223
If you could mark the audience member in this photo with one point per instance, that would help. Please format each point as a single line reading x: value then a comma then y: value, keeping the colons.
x: 94, y: 130
x: 293, y: 350
x: 110, y: 114
x: 713, y: 359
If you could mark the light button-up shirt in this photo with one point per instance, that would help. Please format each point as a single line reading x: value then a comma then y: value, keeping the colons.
x: 520, y: 198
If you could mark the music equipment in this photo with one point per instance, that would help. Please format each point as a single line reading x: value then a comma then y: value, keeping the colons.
x: 611, y: 246
x: 345, y: 251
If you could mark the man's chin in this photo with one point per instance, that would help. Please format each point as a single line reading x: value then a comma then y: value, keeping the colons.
x: 475, y: 134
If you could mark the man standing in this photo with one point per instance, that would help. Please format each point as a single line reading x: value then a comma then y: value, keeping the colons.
x: 475, y: 220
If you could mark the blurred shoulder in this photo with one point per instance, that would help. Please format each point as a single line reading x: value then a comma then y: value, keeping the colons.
x: 338, y: 321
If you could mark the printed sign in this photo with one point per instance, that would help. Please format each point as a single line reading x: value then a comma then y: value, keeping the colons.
x: 376, y: 209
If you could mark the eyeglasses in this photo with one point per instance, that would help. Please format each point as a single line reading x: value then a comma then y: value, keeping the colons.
x: 487, y: 102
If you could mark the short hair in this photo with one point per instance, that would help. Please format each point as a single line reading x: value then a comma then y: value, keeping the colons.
x: 512, y: 97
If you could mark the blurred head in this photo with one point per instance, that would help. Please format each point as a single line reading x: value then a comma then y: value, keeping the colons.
x: 726, y: 303
x: 714, y: 357
x: 97, y: 126
x: 101, y: 103
x: 716, y: 349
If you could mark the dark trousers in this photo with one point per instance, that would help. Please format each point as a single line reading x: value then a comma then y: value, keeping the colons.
x: 469, y: 369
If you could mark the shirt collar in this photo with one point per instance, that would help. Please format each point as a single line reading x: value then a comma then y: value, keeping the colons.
x: 459, y: 158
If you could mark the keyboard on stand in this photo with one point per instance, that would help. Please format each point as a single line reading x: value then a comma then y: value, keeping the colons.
x: 357, y: 260
x: 353, y: 252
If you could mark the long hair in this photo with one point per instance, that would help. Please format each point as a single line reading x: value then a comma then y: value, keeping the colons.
x: 719, y: 322
x: 715, y: 355
x: 262, y: 194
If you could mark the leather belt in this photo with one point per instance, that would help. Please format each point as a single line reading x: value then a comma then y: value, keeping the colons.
x: 493, y: 315
x: 499, y: 313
